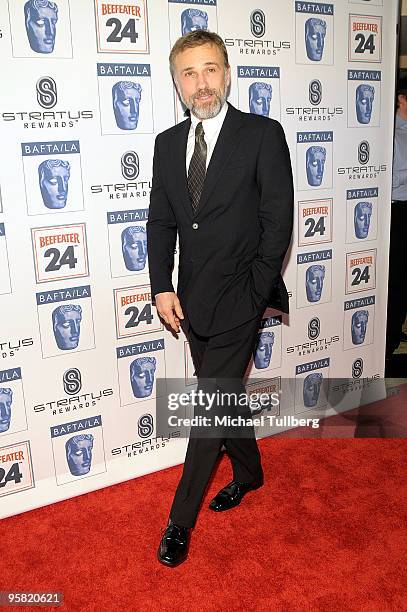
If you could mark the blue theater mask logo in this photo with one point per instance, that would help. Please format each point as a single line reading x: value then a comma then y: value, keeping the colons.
x: 145, y: 425
x: 72, y: 381
x: 315, y: 32
x: 258, y: 23
x: 142, y: 374
x: 311, y: 389
x: 364, y: 102
x: 264, y: 350
x: 53, y: 175
x: 126, y: 96
x: 315, y: 158
x: 6, y: 400
x: 41, y: 18
x: 134, y: 247
x: 78, y: 451
x: 359, y: 322
x: 361, y: 218
x: 193, y: 19
x: 314, y: 282
x: 260, y: 95
x: 66, y: 325
x: 46, y: 92
x: 130, y: 165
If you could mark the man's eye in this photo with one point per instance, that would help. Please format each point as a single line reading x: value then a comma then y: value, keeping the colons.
x: 53, y: 181
x: 314, y: 36
x: 315, y: 163
x: 126, y: 102
x: 65, y: 325
x: 40, y: 22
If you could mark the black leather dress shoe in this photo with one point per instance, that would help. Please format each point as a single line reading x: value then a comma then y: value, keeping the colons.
x: 232, y: 494
x: 173, y: 548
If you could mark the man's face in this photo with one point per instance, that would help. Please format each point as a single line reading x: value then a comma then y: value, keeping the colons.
x: 315, y: 165
x: 311, y: 389
x: 314, y: 282
x: 67, y: 329
x: 315, y: 31
x: 54, y: 185
x: 362, y: 215
x: 134, y: 248
x: 142, y: 378
x: 264, y: 350
x: 192, y: 20
x: 79, y: 456
x: 6, y: 399
x: 202, y: 80
x: 259, y: 99
x: 41, y: 24
x: 364, y: 103
x: 359, y: 326
x: 126, y: 105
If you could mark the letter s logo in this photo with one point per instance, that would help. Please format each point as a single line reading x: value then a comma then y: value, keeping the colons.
x: 314, y: 328
x: 364, y: 152
x: 357, y: 368
x: 72, y: 381
x: 46, y: 92
x: 315, y: 92
x: 130, y: 165
x: 258, y: 23
x: 145, y: 426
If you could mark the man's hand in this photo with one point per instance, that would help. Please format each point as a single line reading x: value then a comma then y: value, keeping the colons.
x: 169, y: 308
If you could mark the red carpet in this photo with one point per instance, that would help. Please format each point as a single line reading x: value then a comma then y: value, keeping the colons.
x: 327, y: 532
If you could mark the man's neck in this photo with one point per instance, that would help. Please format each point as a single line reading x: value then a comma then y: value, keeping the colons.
x: 402, y: 114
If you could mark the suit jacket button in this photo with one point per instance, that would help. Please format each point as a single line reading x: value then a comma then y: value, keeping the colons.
x: 195, y: 226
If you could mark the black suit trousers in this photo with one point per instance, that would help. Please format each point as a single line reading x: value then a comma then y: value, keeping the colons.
x: 223, y: 357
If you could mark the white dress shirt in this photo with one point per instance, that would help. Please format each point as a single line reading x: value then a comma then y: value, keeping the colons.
x: 211, y: 128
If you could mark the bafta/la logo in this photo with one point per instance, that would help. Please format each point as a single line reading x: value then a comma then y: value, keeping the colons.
x: 46, y: 92
x: 315, y: 92
x: 364, y: 152
x: 258, y: 23
x: 72, y: 381
x: 145, y: 425
x: 314, y: 328
x: 357, y: 368
x: 130, y: 165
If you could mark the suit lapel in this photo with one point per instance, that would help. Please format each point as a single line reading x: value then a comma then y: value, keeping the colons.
x: 179, y: 160
x: 227, y: 141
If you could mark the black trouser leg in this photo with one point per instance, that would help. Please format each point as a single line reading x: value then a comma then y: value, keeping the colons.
x: 222, y: 358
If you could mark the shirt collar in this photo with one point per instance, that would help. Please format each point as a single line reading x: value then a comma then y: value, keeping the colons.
x: 211, y: 126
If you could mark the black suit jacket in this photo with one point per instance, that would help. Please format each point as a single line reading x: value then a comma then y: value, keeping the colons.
x: 232, y: 248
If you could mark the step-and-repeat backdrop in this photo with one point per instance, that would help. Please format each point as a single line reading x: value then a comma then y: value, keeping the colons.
x: 85, y: 88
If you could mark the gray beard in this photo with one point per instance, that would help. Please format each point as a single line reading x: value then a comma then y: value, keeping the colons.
x: 208, y: 111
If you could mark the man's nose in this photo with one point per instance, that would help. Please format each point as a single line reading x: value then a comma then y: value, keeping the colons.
x: 142, y: 250
x: 133, y: 107
x: 62, y: 185
x: 86, y: 455
x: 201, y: 81
x: 74, y: 328
x: 4, y: 410
x: 48, y: 29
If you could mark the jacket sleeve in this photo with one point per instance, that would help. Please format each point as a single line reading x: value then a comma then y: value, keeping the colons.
x: 161, y: 232
x: 275, y: 183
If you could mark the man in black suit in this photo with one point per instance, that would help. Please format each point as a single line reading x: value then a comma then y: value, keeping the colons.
x: 223, y: 180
